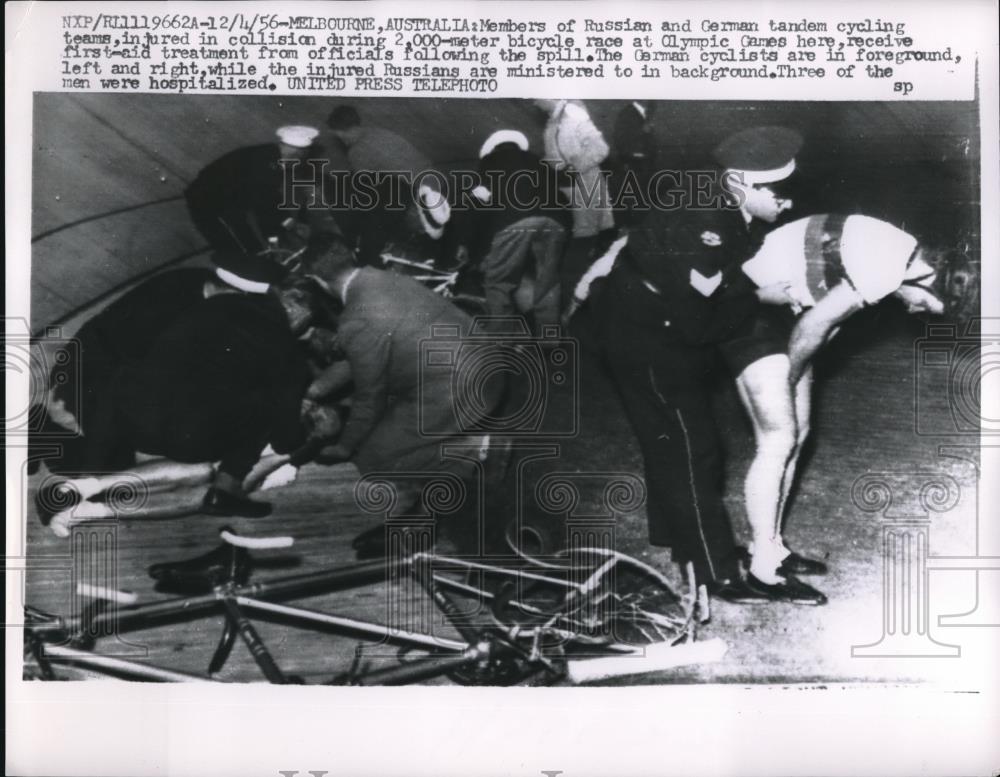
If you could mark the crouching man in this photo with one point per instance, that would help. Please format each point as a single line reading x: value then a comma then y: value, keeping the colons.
x: 400, y: 414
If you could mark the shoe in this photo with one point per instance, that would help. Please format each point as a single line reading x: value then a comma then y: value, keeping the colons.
x: 756, y: 591
x: 55, y: 497
x: 794, y: 564
x: 222, y: 503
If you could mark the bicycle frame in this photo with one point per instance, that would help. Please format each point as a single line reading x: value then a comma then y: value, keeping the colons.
x: 497, y: 652
x: 439, y: 281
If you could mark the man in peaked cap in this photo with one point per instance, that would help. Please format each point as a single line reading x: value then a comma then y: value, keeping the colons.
x: 239, y: 201
x: 675, y: 303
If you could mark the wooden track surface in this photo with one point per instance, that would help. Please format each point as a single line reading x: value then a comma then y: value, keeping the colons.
x: 864, y: 423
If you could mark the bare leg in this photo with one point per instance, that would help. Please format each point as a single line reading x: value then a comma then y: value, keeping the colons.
x: 165, y: 504
x: 763, y: 388
x: 168, y: 489
x: 803, y: 411
x: 155, y: 475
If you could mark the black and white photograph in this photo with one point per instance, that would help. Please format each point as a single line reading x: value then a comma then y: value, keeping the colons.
x: 496, y: 395
x: 383, y: 349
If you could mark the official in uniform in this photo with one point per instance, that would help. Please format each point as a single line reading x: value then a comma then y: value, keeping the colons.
x: 675, y: 303
x: 239, y: 201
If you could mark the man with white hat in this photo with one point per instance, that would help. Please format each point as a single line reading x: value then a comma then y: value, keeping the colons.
x: 674, y: 305
x: 409, y: 207
x: 522, y: 229
x: 239, y: 201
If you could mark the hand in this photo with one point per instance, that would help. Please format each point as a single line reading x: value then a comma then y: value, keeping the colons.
x: 322, y: 420
x: 333, y: 454
x: 323, y: 342
x: 776, y: 294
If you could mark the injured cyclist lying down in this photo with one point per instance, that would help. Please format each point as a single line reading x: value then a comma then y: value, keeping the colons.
x: 220, y: 383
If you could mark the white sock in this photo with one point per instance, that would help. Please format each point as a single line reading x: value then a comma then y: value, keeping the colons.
x: 764, y: 561
x: 86, y: 487
x: 63, y: 522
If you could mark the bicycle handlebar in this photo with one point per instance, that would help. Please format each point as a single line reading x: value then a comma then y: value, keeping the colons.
x: 256, y: 543
x: 651, y: 658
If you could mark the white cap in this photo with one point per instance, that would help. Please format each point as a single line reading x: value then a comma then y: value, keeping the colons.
x: 297, y: 135
x: 434, y: 211
x: 500, y: 137
x: 760, y: 177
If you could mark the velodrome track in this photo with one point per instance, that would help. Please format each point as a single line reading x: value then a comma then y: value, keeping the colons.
x: 107, y: 172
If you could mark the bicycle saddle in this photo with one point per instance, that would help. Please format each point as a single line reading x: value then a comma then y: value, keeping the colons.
x: 228, y: 563
x: 224, y: 564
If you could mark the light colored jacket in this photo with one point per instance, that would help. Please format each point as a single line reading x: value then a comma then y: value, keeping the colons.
x: 575, y: 144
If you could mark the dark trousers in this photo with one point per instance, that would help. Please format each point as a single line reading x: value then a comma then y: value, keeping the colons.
x: 510, y: 256
x: 665, y: 388
x: 195, y: 423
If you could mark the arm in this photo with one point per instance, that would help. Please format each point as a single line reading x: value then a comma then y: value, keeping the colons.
x: 816, y: 325
x: 600, y: 268
x: 332, y: 379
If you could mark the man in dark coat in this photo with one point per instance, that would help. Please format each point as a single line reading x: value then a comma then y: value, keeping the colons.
x: 401, y: 412
x: 79, y: 401
x: 219, y: 385
x: 400, y: 199
x: 244, y: 197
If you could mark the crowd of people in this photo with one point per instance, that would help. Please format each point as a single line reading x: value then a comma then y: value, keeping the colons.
x: 299, y: 345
